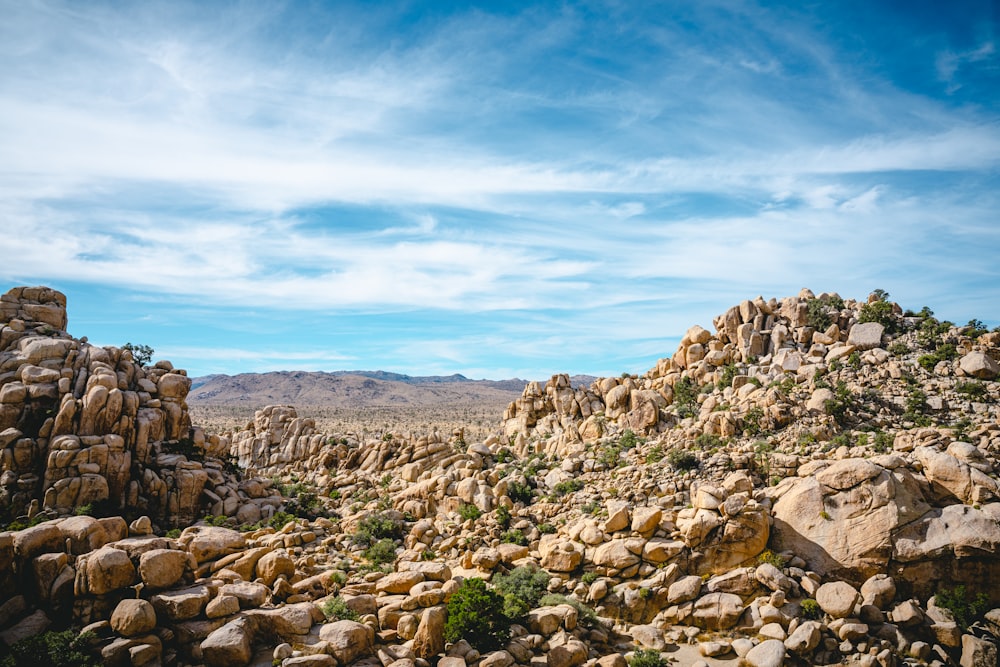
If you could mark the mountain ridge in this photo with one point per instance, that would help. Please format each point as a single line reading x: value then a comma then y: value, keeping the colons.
x: 353, y: 389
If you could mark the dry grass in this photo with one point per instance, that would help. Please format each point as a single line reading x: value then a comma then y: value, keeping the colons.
x: 479, y: 419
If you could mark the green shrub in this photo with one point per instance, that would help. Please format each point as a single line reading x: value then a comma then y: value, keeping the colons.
x: 974, y: 389
x: 336, y: 609
x: 589, y: 577
x: 916, y: 405
x: 569, y: 486
x: 882, y: 442
x: 382, y: 552
x: 610, y: 456
x: 174, y: 533
x: 524, y: 585
x: 502, y: 515
x: 838, y: 406
x: 654, y: 455
x: 726, y: 375
x: 768, y: 556
x: 469, y: 511
x: 520, y: 493
x: 810, y: 609
x: 628, y: 440
x: 753, y: 421
x: 682, y: 459
x: 141, y: 354
x: 963, y: 606
x: 514, y: 536
x: 686, y: 397
x: 644, y: 657
x: 879, y: 311
x: 376, y: 527
x: 476, y: 614
x: 708, y: 442
x: 899, y: 348
x: 584, y: 614
x: 52, y: 649
x: 816, y: 315
x: 546, y: 528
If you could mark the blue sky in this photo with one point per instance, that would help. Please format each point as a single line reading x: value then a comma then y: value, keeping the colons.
x: 496, y: 189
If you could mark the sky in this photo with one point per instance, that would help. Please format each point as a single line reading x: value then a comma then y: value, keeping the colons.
x: 498, y: 189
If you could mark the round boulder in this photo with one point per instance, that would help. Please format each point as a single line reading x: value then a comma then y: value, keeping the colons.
x: 133, y: 617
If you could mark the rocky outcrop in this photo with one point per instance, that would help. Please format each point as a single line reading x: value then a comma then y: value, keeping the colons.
x: 82, y: 425
x: 778, y: 492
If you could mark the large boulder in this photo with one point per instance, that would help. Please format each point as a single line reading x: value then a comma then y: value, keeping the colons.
x: 229, y: 646
x: 842, y: 520
x: 133, y: 617
x: 980, y: 365
x: 162, y: 568
x: 866, y: 335
x: 211, y: 542
x: 348, y: 640
x: 429, y: 640
x: 102, y: 571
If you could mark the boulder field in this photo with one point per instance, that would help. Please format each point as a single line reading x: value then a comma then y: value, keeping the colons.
x: 813, y: 483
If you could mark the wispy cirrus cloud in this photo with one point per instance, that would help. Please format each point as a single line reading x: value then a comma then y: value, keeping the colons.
x: 578, y: 180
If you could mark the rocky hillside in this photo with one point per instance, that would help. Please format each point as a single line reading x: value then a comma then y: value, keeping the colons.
x: 814, y: 482
x: 350, y: 389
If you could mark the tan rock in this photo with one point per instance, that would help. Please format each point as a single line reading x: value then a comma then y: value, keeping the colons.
x: 274, y: 564
x: 398, y: 582
x: 348, y: 640
x: 229, y: 646
x: 805, y: 638
x: 105, y: 570
x: 684, y: 589
x: 980, y: 365
x: 162, y: 568
x: 769, y: 653
x: 570, y: 654
x: 615, y: 554
x: 646, y: 519
x: 210, y: 542
x: 133, y: 617
x: 717, y: 611
x: 222, y: 606
x: 429, y: 639
x: 838, y: 598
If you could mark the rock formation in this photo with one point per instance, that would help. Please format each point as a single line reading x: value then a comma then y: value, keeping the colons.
x: 813, y: 483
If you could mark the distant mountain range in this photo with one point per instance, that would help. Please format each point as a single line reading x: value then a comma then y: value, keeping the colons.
x: 354, y: 389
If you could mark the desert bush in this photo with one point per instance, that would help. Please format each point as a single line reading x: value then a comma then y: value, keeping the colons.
x: 628, y: 440
x: 965, y: 607
x: 141, y: 354
x: 502, y: 516
x: 646, y: 658
x: 52, y: 649
x: 810, y: 609
x: 520, y: 493
x: 728, y: 372
x: 974, y: 389
x: 381, y: 552
x: 771, y: 558
x: 469, y: 511
x: 527, y: 584
x: 336, y: 609
x: 514, y: 536
x: 376, y: 527
x: 584, y: 614
x: 842, y: 401
x: 476, y: 614
x: 569, y: 486
x: 686, y: 397
x: 682, y: 459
